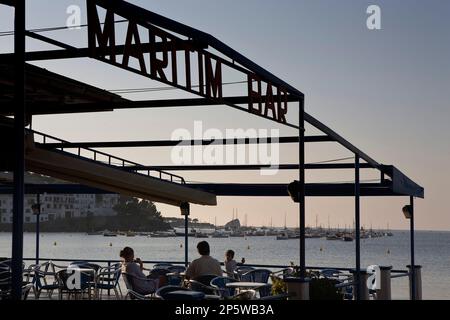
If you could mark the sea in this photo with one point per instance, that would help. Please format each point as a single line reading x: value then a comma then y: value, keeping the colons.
x: 432, y: 251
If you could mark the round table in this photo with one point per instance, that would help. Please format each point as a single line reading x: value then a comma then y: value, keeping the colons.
x: 245, y: 285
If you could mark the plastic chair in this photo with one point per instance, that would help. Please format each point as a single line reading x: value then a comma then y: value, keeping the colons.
x: 330, y: 273
x: 176, y: 269
x: 132, y: 293
x: 161, y: 292
x: 5, y: 283
x: 108, y: 279
x: 240, y: 271
x: 199, y: 286
x: 45, y: 278
x: 257, y: 275
x: 220, y: 284
x: 86, y: 284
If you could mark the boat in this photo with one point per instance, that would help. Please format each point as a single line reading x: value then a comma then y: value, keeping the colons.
x: 347, y: 238
x: 218, y: 234
x: 283, y: 236
x: 162, y: 234
x: 237, y: 234
x: 109, y: 234
x: 201, y: 235
x: 130, y: 234
x: 333, y: 237
x: 95, y: 233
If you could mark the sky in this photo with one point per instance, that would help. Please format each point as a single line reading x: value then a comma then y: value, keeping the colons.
x: 386, y: 91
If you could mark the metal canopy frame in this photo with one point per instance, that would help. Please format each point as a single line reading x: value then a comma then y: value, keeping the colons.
x: 196, y: 41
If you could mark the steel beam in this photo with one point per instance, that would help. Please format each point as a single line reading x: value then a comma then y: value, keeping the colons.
x: 411, y: 231
x: 302, y: 190
x: 19, y: 149
x: 357, y: 230
x: 70, y: 52
x: 172, y: 143
x: 250, y: 167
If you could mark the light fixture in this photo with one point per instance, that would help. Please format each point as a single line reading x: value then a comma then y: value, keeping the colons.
x: 36, y: 209
x: 407, y: 211
x: 293, y: 189
x: 184, y: 207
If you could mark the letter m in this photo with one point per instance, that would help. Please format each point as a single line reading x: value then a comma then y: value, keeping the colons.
x: 95, y: 33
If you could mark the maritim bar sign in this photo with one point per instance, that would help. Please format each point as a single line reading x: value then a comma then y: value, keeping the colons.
x: 174, y: 61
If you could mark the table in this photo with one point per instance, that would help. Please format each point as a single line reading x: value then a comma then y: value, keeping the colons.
x: 245, y: 285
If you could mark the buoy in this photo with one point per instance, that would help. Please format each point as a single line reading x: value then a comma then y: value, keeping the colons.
x: 110, y: 244
x: 248, y: 247
x: 54, y: 243
x: 388, y: 251
x: 181, y: 245
x: 321, y: 249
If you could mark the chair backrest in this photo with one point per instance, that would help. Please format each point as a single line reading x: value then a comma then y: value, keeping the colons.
x: 258, y: 275
x: 176, y: 269
x: 162, y: 265
x: 43, y: 272
x: 155, y: 273
x: 205, y: 279
x: 241, y: 271
x: 200, y: 287
x: 166, y: 289
x: 110, y: 275
x: 5, y: 280
x: 5, y: 264
x: 220, y: 284
x: 128, y: 279
x: 330, y: 273
x: 63, y: 275
x: 86, y: 264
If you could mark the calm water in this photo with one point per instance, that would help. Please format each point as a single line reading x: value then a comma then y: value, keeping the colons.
x: 432, y: 252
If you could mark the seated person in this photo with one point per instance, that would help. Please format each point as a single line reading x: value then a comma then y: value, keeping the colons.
x: 133, y: 267
x: 229, y: 263
x: 205, y: 265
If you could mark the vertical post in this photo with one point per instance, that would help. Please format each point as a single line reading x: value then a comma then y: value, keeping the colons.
x: 301, y: 197
x: 357, y: 231
x: 38, y: 220
x: 412, y: 269
x: 384, y: 291
x: 186, y: 240
x: 19, y: 143
x: 185, y: 211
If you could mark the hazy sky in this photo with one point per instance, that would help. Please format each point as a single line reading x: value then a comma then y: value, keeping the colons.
x: 386, y: 91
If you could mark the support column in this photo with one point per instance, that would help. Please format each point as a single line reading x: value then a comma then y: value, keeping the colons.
x: 364, y: 290
x: 19, y: 152
x: 357, y: 231
x: 38, y: 222
x: 384, y: 291
x: 415, y: 279
x: 186, y: 239
x: 412, y: 269
x: 301, y: 197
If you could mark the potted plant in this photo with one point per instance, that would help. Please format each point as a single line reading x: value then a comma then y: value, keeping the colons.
x: 319, y: 288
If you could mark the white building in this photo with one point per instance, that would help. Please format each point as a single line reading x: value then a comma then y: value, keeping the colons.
x: 60, y: 206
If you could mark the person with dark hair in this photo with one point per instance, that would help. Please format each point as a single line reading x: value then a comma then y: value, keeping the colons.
x: 133, y: 267
x: 230, y: 264
x: 205, y: 265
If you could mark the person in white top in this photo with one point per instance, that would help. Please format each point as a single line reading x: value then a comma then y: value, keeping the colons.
x: 205, y: 265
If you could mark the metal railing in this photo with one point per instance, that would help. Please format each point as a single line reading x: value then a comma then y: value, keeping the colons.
x: 42, y: 139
